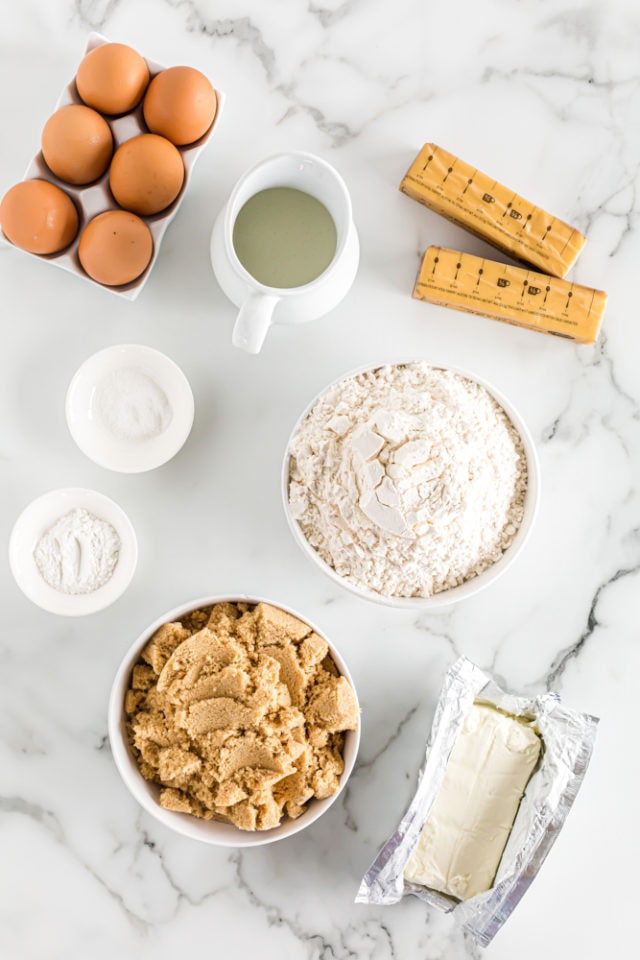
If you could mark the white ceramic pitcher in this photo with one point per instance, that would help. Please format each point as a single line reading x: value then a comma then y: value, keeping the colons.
x: 261, y: 305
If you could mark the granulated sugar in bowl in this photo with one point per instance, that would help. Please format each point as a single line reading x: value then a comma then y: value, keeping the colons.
x: 411, y: 484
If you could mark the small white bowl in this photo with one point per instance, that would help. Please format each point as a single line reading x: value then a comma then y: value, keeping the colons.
x: 33, y: 523
x: 146, y: 793
x: 93, y: 435
x: 469, y: 587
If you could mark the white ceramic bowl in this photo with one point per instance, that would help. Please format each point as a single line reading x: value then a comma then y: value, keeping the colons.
x: 146, y: 793
x: 469, y: 587
x: 92, y: 433
x: 37, y: 518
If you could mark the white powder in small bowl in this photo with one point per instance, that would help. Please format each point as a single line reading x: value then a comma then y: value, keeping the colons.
x: 78, y: 553
x: 408, y: 480
x: 131, y: 405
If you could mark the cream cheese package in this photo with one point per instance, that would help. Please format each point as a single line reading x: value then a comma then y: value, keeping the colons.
x: 500, y: 775
x: 465, y: 833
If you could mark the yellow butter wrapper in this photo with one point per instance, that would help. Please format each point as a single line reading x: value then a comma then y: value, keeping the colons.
x: 477, y: 202
x: 511, y: 294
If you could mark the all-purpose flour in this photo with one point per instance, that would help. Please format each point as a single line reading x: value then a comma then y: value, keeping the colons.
x: 408, y: 479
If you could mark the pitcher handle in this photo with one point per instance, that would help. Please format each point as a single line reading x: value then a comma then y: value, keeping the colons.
x: 254, y: 319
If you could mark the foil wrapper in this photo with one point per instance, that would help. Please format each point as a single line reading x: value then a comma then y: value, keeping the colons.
x: 568, y: 739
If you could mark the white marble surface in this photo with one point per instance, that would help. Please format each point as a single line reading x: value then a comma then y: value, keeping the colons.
x: 544, y: 94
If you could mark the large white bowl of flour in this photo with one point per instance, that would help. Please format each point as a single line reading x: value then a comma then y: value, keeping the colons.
x: 411, y: 484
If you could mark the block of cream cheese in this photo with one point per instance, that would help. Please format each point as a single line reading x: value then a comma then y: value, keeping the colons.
x: 477, y: 202
x: 466, y: 830
x: 511, y: 294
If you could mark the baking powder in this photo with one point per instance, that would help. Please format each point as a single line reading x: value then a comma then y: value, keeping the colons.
x: 408, y: 479
x: 79, y: 553
x: 131, y: 405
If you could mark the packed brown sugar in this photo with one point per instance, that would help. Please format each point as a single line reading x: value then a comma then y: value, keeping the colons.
x: 238, y: 713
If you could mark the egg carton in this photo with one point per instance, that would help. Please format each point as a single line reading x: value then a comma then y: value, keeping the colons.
x: 96, y: 197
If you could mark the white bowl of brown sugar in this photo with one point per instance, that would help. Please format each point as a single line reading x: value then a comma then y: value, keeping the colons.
x: 234, y: 721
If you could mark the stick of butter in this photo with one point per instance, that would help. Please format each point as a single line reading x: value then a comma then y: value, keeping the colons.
x: 466, y: 830
x: 511, y: 294
x: 477, y: 202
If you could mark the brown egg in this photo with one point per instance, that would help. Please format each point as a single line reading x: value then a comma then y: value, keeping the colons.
x: 115, y: 247
x: 180, y: 104
x: 38, y: 216
x: 112, y: 78
x: 77, y: 144
x: 146, y: 174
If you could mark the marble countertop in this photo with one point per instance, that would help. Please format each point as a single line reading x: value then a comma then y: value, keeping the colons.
x: 544, y: 95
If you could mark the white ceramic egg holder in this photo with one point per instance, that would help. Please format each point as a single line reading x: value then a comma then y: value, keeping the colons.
x: 96, y: 197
